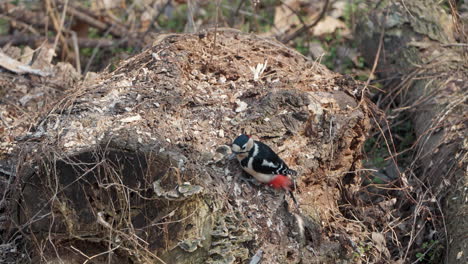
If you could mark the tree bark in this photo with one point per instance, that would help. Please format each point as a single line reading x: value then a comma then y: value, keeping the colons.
x: 427, y: 72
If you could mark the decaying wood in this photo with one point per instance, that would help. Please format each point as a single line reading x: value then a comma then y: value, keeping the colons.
x: 135, y: 162
x: 428, y: 76
x: 18, y: 67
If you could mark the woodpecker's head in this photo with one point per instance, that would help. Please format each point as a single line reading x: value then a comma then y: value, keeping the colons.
x: 242, y: 145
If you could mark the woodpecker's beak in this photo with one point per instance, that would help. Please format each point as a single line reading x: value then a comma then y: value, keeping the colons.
x: 233, y: 155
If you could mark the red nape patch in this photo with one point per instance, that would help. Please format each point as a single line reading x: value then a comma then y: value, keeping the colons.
x: 281, y: 182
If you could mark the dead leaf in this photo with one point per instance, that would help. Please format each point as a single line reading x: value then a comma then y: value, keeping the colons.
x: 145, y: 20
x: 44, y: 58
x: 285, y: 18
x: 27, y: 55
x: 316, y: 50
x: 338, y: 9
x: 329, y: 25
x: 380, y: 243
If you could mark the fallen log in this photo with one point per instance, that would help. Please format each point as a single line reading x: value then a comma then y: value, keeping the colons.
x: 424, y: 60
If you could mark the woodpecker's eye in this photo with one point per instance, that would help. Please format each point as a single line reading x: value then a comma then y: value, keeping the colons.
x: 243, y: 147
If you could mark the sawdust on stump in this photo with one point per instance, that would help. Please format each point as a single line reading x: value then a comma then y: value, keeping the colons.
x: 133, y: 166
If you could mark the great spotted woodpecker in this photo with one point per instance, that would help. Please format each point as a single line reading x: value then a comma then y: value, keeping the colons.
x: 260, y: 161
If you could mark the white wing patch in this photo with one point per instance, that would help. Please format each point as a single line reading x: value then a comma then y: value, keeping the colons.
x: 270, y: 164
x: 255, y: 153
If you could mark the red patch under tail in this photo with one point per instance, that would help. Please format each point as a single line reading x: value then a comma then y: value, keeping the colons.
x: 281, y: 182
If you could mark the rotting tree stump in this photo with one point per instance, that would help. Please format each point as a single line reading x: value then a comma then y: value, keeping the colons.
x: 133, y: 166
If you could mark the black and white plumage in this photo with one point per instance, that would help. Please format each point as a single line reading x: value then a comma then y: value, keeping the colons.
x: 262, y: 162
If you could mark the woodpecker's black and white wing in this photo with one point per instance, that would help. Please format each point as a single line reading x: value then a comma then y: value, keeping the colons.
x: 266, y: 161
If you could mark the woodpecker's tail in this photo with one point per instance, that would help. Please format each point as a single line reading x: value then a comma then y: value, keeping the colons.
x: 293, y: 198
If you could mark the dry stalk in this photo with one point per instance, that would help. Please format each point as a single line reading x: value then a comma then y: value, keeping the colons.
x: 58, y: 25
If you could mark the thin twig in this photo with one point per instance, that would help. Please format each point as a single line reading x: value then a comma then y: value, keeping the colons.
x: 114, y: 29
x: 58, y: 25
x: 306, y: 28
x: 190, y: 26
x: 374, y: 67
x: 455, y: 45
x: 216, y: 30
x: 76, y: 48
x: 295, y: 13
